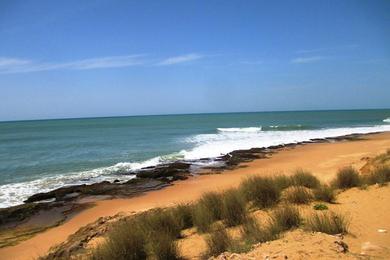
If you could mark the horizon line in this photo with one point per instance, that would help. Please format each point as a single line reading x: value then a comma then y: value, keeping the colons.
x: 184, y: 114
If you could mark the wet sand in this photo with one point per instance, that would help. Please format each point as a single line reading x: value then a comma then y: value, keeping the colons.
x: 322, y: 159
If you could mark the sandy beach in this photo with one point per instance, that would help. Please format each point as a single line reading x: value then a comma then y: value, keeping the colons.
x: 322, y: 159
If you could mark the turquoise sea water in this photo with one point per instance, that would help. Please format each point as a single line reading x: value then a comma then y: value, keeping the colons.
x: 42, y: 155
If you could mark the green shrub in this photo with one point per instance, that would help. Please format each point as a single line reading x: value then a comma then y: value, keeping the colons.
x: 320, y: 206
x: 218, y: 242
x: 253, y: 233
x: 305, y: 178
x: 262, y: 192
x: 234, y: 210
x: 284, y: 218
x: 299, y: 195
x: 328, y: 222
x: 347, y: 177
x: 325, y: 193
x: 126, y: 241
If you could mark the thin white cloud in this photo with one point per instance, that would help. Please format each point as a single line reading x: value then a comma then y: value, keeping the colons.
x: 312, y: 59
x: 14, y: 65
x: 6, y: 62
x: 180, y: 59
x: 334, y: 48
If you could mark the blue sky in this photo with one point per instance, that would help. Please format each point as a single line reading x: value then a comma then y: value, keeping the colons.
x: 104, y: 58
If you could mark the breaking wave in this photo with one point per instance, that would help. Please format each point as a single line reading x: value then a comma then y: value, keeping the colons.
x: 387, y: 120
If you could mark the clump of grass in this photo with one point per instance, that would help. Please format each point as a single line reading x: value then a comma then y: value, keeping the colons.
x: 299, y: 195
x: 320, y: 206
x: 183, y: 213
x: 285, y: 218
x: 325, y: 193
x: 218, y: 242
x: 262, y: 192
x: 234, y: 209
x: 161, y: 221
x: 328, y: 222
x: 304, y: 178
x: 380, y: 175
x: 162, y: 246
x: 126, y: 241
x: 207, y: 211
x: 282, y: 181
x: 252, y: 232
x: 347, y: 177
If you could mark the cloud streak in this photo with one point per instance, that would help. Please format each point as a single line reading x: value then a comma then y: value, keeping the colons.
x: 180, y: 59
x: 303, y: 60
x: 14, y: 65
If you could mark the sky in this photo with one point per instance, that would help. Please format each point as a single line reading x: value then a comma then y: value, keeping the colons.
x: 64, y: 59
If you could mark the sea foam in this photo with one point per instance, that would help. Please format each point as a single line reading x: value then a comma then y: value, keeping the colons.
x: 387, y: 120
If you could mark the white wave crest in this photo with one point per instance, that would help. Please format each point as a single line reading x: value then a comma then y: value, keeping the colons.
x: 243, y: 129
x: 387, y: 120
x: 15, y: 193
x: 214, y: 145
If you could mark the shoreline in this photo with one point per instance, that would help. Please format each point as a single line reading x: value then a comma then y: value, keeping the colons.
x: 320, y: 157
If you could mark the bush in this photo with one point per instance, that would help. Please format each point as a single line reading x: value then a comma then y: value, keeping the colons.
x: 253, y: 233
x: 325, y: 193
x: 328, y: 222
x: 262, y: 192
x: 234, y: 210
x: 320, y: 206
x: 218, y: 242
x: 380, y: 175
x: 299, y: 195
x: 126, y: 241
x: 285, y: 218
x: 305, y: 178
x: 213, y: 202
x: 347, y: 177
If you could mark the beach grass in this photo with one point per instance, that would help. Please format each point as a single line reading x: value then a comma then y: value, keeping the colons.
x: 328, y: 222
x: 305, y: 178
x: 253, y: 232
x: 234, y: 209
x: 325, y: 193
x: 285, y: 217
x: 299, y: 195
x: 263, y: 192
x: 346, y: 178
x: 218, y: 241
x: 380, y: 175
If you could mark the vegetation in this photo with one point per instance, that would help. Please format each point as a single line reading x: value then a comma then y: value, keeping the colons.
x: 346, y: 178
x: 234, y: 210
x: 252, y: 232
x: 305, y: 178
x: 328, y: 222
x: 153, y: 235
x: 262, y: 192
x: 218, y: 242
x: 325, y: 193
x: 320, y: 206
x: 299, y: 195
x: 284, y: 218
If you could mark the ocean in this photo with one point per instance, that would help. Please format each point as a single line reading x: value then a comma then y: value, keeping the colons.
x: 41, y: 155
